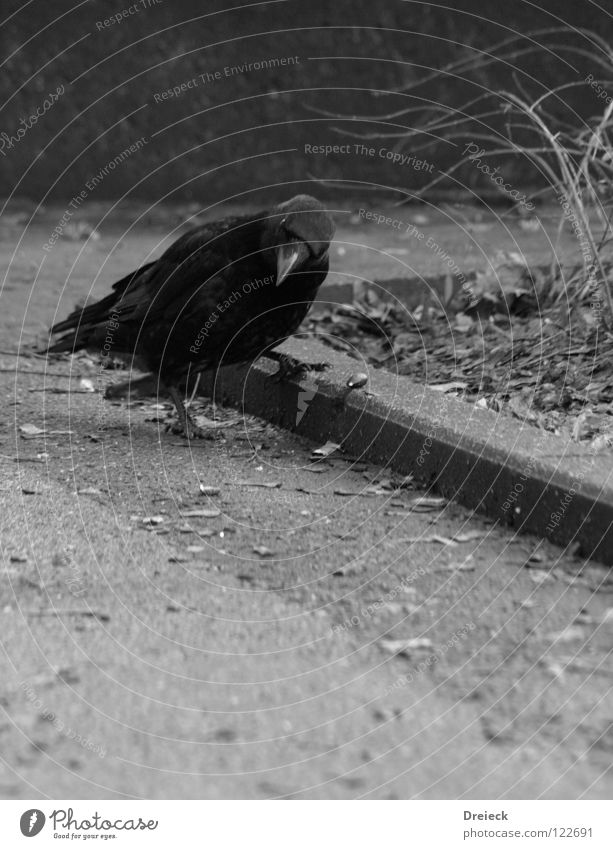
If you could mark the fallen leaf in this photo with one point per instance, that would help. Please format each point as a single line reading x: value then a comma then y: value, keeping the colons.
x: 326, y: 450
x: 263, y: 551
x: 467, y: 536
x: 208, y: 490
x: 87, y: 385
x: 89, y: 490
x: 448, y: 387
x: 153, y: 520
x: 438, y: 538
x: 555, y: 669
x: 584, y: 617
x: 539, y: 576
x: 264, y: 484
x: 53, y: 611
x: 579, y: 428
x: 202, y: 513
x: 425, y: 503
x: 206, y: 423
x: 466, y: 565
x: 31, y: 431
x: 463, y: 323
x: 406, y: 647
x: 573, y: 632
x: 600, y: 443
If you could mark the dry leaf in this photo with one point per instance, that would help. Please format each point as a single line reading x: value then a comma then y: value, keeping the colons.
x: 526, y: 604
x: 600, y: 443
x: 467, y: 536
x: 539, y: 576
x: 264, y: 484
x: 448, y: 387
x: 343, y: 570
x: 425, y: 503
x: 573, y: 632
x: 201, y: 513
x: 326, y: 450
x: 406, y: 647
x: 579, y: 428
x: 441, y: 540
x: 466, y: 565
x: 263, y: 551
x: 207, y: 424
x: 31, y: 431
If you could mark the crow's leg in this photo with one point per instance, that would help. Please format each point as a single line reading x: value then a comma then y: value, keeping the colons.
x: 186, y: 426
x: 195, y: 389
x: 291, y: 367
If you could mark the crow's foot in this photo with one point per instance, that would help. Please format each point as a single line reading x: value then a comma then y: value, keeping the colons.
x: 186, y: 426
x: 290, y: 367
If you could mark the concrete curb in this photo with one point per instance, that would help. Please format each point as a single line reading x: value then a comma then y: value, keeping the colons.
x: 531, y: 480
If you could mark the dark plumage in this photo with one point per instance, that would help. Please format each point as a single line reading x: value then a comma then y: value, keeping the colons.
x: 226, y: 292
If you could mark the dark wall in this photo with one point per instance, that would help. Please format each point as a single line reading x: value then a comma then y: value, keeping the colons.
x: 238, y: 133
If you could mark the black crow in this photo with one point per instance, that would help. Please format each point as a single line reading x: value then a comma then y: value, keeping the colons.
x: 226, y: 292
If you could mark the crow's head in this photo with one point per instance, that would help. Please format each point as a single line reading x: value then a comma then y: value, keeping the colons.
x: 297, y: 236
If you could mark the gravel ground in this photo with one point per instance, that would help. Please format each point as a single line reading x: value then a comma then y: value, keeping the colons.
x: 324, y: 636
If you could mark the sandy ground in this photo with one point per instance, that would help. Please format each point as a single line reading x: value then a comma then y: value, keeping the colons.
x: 254, y: 651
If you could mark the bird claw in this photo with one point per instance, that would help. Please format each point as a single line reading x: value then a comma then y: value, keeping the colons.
x: 290, y: 367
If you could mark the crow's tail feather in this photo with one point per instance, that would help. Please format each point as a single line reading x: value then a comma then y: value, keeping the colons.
x: 93, y: 314
x: 85, y: 321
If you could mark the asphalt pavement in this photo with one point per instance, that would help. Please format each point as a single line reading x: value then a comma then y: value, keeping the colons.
x: 238, y: 618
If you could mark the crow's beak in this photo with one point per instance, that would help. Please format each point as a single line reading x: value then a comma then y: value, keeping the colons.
x: 289, y: 257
